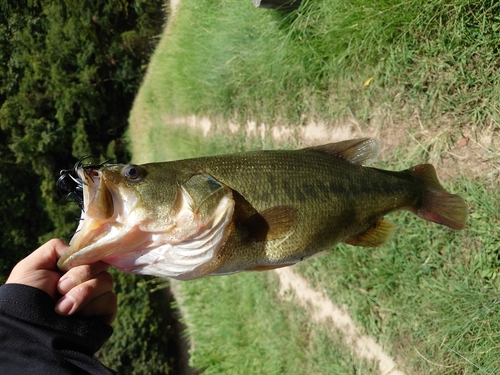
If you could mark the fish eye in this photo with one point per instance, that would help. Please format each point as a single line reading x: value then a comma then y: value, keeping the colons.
x: 132, y: 172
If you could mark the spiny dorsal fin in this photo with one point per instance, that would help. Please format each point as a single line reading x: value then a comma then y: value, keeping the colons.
x: 376, y: 235
x: 271, y: 224
x: 359, y: 151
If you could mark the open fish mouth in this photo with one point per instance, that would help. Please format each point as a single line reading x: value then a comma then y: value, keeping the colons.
x: 182, y: 242
x: 87, y: 188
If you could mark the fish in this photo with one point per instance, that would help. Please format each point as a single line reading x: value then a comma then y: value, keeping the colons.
x: 256, y: 210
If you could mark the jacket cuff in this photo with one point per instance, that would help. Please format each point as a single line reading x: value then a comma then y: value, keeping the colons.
x: 36, y: 307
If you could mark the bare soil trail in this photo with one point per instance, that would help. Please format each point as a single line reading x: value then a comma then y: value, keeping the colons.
x: 324, y: 311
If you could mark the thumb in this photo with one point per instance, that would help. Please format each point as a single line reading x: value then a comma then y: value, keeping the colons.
x: 46, y: 256
x: 39, y: 269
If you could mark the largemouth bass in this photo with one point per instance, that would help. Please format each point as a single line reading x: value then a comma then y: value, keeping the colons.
x: 258, y: 210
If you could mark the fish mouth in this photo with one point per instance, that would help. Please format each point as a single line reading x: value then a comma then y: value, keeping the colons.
x: 98, y: 209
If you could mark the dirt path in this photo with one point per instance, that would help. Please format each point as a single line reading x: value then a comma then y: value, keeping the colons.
x: 324, y: 311
x: 454, y: 152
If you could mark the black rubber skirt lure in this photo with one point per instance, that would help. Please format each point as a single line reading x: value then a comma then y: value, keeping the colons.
x: 69, y: 181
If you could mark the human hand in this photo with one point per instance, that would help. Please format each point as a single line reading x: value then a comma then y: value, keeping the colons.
x: 86, y: 290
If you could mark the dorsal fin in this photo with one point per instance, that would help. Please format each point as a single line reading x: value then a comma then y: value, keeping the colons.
x: 357, y: 151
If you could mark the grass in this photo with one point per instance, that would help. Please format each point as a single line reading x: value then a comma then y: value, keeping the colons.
x: 430, y: 296
x: 430, y: 61
x: 243, y: 314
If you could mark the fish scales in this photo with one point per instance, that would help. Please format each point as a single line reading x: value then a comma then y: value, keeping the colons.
x: 250, y: 211
x: 335, y: 199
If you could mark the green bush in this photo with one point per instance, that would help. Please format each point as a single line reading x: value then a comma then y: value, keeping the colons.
x: 145, y: 331
x: 69, y: 71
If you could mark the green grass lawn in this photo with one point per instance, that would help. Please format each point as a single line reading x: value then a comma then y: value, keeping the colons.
x: 244, y: 327
x: 434, y: 62
x: 430, y: 295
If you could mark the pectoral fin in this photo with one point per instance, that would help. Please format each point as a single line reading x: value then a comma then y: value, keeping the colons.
x: 271, y: 224
x: 376, y: 235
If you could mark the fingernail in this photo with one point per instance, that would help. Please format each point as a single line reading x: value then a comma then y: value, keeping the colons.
x: 66, y: 284
x: 64, y: 306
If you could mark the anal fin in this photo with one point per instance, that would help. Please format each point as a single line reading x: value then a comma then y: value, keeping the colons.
x: 376, y: 235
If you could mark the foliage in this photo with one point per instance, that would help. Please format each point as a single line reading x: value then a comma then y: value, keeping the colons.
x: 18, y: 189
x: 69, y: 71
x: 145, y: 339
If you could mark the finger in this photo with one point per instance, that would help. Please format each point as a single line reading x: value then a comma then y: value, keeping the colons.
x: 46, y: 256
x: 79, y: 275
x: 43, y: 258
x: 82, y: 294
x: 105, y: 306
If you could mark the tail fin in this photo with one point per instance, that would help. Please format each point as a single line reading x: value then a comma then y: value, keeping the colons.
x: 438, y: 205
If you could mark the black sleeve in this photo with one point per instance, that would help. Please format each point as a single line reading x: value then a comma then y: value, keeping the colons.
x: 34, y: 339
